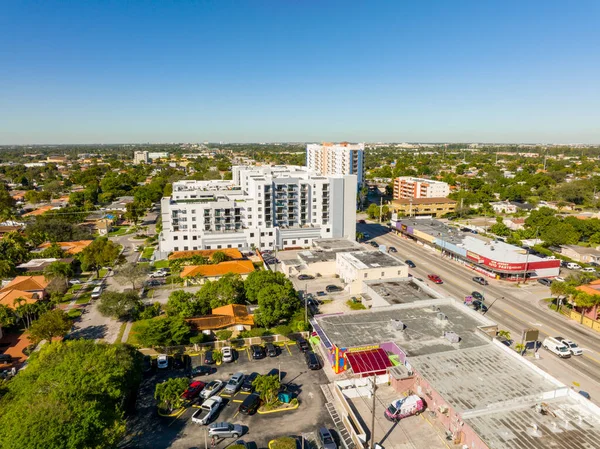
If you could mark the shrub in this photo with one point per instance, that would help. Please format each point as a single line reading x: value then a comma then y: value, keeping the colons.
x: 150, y: 311
x: 74, y: 313
x: 198, y: 339
x: 223, y: 335
x: 282, y: 329
x: 283, y: 443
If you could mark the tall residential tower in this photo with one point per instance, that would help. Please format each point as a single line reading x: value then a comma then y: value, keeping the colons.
x: 337, y: 159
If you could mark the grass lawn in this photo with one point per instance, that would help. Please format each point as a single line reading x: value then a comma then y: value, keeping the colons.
x: 355, y: 305
x: 84, y: 299
x: 136, y: 328
x: 148, y: 251
x: 67, y: 298
x: 121, y: 332
x: 103, y: 272
x: 161, y: 264
x: 74, y: 313
x: 118, y: 230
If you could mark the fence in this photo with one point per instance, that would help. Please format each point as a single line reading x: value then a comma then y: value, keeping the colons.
x: 237, y: 343
x: 592, y: 324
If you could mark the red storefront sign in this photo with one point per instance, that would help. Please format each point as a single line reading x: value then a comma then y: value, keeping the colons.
x: 474, y: 257
x: 510, y: 266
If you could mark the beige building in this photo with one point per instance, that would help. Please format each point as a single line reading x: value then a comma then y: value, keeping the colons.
x: 337, y: 159
x: 581, y: 253
x: 356, y: 267
x: 435, y: 207
x: 409, y: 187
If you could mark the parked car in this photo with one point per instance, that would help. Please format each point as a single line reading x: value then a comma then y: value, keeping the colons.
x: 75, y: 282
x: 573, y: 266
x: 374, y: 244
x: 559, y: 279
x: 207, y: 411
x: 410, y: 263
x: 585, y: 394
x: 477, y: 295
x: 193, y: 390
x: 312, y: 361
x: 179, y: 361
x: 212, y: 388
x: 247, y: 386
x: 234, y: 383
x: 258, y: 352
x: 162, y: 361
x: 556, y: 347
x: 227, y: 354
x: 326, y: 439
x: 271, y: 349
x: 589, y: 270
x: 435, y: 278
x: 393, y: 250
x: 158, y: 274
x: 209, y: 358
x: 202, y: 370
x: 305, y: 277
x: 333, y: 288
x: 362, y: 221
x: 302, y: 345
x: 155, y: 282
x: 564, y: 263
x: 250, y: 404
x: 545, y: 281
x: 480, y: 280
x: 225, y: 430
x: 321, y: 294
x: 404, y: 407
x: 147, y: 364
x: 573, y: 347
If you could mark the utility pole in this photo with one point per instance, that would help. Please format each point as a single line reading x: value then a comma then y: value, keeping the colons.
x: 306, y: 303
x: 380, y: 209
x: 373, y: 412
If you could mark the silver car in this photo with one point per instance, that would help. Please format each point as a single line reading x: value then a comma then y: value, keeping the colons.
x: 234, y: 384
x: 211, y: 388
x: 225, y: 430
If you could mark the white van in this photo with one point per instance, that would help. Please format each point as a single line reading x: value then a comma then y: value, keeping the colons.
x: 557, y: 347
x: 96, y: 293
x: 573, y: 266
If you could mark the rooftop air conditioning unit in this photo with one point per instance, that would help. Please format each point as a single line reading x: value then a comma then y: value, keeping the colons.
x: 452, y: 337
x: 441, y: 316
x: 435, y: 308
x: 397, y: 325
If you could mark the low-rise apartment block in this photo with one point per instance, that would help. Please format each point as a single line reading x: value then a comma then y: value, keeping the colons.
x: 262, y: 207
x: 409, y: 187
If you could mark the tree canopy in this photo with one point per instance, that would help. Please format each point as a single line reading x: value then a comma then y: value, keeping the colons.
x: 120, y: 305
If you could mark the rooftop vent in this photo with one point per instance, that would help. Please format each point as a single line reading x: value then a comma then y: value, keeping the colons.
x: 441, y: 316
x: 452, y: 337
x: 435, y: 308
x: 534, y: 431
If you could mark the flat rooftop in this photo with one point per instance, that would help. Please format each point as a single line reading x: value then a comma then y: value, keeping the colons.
x: 476, y: 377
x: 436, y: 229
x: 423, y: 333
x: 335, y: 244
x: 400, y: 291
x: 566, y: 424
x: 363, y: 260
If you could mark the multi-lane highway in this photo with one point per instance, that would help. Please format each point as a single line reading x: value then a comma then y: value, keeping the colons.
x: 515, y: 308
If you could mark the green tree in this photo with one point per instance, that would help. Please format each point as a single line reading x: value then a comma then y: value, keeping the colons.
x: 184, y: 304
x: 267, y: 387
x: 77, y: 199
x: 229, y: 289
x: 54, y: 251
x: 7, y: 268
x: 120, y: 305
x: 560, y: 234
x: 275, y: 303
x: 72, y: 395
x: 223, y: 334
x: 168, y: 393
x: 219, y: 256
x: 133, y: 212
x: 373, y: 211
x: 7, y: 316
x: 283, y: 443
x: 132, y: 273
x: 165, y: 332
x: 257, y: 280
x: 101, y: 252
x: 54, y: 323
x: 61, y: 271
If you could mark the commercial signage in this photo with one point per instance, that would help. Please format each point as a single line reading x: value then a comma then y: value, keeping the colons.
x: 474, y: 257
x: 510, y: 266
x: 362, y: 348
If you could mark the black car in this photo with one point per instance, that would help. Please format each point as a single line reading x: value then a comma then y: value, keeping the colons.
x: 545, y: 281
x: 302, y: 345
x: 480, y: 280
x: 271, y: 350
x: 333, y: 289
x: 393, y: 250
x: 203, y: 370
x: 312, y: 361
x: 258, y: 352
x: 479, y: 306
x: 247, y: 385
x: 179, y: 361
x: 410, y: 263
x: 374, y: 244
x: 305, y: 277
x: 147, y: 364
x: 321, y: 294
x: 478, y: 296
x: 564, y: 263
x: 208, y: 358
x: 250, y: 404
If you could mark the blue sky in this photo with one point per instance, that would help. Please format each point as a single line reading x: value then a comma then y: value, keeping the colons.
x: 292, y: 70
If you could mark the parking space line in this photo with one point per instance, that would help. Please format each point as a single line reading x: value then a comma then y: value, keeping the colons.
x: 236, y: 413
x: 248, y: 352
x: 288, y: 348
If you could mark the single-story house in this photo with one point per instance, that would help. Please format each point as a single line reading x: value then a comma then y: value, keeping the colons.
x: 215, y: 271
x: 503, y: 207
x: 35, y: 265
x: 514, y: 224
x: 120, y: 204
x: 68, y: 247
x: 234, y: 317
x: 30, y: 288
x: 39, y: 211
x: 581, y: 253
x: 232, y: 253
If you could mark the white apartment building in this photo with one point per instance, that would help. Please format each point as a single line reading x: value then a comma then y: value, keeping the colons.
x: 355, y: 267
x: 140, y: 157
x: 409, y: 187
x: 337, y: 159
x: 262, y: 207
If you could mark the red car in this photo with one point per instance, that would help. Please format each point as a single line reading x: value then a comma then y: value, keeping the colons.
x: 193, y: 390
x: 435, y: 278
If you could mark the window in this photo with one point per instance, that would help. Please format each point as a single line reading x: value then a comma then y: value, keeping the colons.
x: 270, y: 234
x: 228, y: 246
x: 382, y: 274
x: 328, y: 229
x: 176, y: 248
x: 193, y: 212
x: 252, y: 234
x: 399, y: 272
x: 185, y: 248
x: 193, y: 226
x: 262, y: 234
x: 306, y: 242
x: 185, y: 237
x: 218, y: 246
x: 194, y: 237
x: 194, y: 248
x: 193, y: 218
x: 366, y: 274
x: 175, y: 237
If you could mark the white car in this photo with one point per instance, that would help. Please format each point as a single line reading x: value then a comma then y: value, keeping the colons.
x: 162, y: 361
x: 558, y: 279
x: 75, y: 282
x: 573, y: 266
x: 572, y: 346
x: 589, y: 270
x: 158, y: 274
x: 227, y: 354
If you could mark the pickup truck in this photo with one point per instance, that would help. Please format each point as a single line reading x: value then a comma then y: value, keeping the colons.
x: 207, y: 411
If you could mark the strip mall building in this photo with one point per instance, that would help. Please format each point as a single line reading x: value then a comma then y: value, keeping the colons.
x: 490, y: 258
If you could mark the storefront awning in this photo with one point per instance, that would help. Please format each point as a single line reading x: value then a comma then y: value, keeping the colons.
x: 373, y: 361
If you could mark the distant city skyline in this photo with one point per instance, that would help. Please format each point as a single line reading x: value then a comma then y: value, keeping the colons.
x: 162, y: 72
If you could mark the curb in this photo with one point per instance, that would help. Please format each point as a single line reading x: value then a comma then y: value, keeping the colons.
x: 175, y: 414
x: 277, y: 411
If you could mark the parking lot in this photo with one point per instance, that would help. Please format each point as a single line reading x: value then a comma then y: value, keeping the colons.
x: 148, y: 430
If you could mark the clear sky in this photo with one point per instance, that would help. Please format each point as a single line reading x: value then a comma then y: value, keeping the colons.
x: 87, y: 71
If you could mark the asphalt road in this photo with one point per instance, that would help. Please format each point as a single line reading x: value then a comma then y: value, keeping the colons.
x: 517, y: 307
